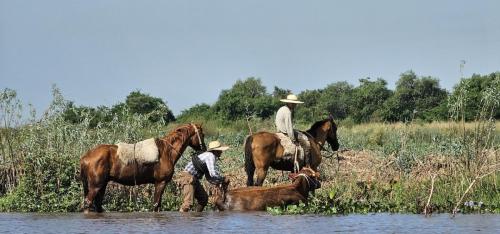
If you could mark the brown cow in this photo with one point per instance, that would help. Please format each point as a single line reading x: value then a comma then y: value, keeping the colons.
x: 259, y: 198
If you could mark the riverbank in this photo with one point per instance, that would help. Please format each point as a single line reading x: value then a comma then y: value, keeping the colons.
x: 379, y: 168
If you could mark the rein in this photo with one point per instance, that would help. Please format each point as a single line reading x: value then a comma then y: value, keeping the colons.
x: 321, y: 146
x: 183, y: 139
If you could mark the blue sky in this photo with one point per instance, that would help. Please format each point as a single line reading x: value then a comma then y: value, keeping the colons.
x: 186, y: 52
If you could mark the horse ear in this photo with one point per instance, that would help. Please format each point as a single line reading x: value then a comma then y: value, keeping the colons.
x: 292, y: 176
x: 330, y: 116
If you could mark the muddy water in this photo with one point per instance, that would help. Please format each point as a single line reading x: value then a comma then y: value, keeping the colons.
x: 209, y: 222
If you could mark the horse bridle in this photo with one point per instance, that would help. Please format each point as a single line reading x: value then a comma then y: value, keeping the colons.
x: 321, y: 146
x: 198, y: 135
x: 315, y: 183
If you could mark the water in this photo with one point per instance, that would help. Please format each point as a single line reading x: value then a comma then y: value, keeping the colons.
x: 257, y: 222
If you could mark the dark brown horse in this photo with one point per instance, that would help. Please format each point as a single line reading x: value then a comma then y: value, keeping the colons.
x: 263, y: 150
x: 259, y: 198
x: 102, y: 164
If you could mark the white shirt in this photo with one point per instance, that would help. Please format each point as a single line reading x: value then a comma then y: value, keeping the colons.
x: 284, y: 122
x: 210, y: 159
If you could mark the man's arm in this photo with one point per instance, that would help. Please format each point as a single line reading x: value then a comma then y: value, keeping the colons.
x: 212, y: 168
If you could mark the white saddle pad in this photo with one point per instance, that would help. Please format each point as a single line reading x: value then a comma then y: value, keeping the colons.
x: 145, y: 152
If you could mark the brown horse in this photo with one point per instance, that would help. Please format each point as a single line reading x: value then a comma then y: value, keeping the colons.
x: 259, y: 198
x: 102, y: 164
x: 264, y: 150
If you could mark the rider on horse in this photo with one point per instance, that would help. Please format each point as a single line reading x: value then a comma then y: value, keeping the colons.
x: 203, y: 164
x: 284, y: 123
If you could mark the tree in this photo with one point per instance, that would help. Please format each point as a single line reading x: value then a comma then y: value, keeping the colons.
x: 280, y: 93
x: 368, y: 98
x: 310, y: 110
x: 336, y: 99
x: 76, y: 114
x: 470, y: 92
x: 415, y: 98
x: 140, y: 103
x: 197, y: 111
x: 246, y: 98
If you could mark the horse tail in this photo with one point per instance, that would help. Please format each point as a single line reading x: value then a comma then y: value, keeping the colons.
x: 249, y: 165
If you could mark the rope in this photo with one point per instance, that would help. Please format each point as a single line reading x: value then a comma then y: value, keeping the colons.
x: 296, y: 165
x: 136, y: 167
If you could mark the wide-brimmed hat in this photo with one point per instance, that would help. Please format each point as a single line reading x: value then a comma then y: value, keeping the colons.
x: 291, y: 99
x: 216, y: 145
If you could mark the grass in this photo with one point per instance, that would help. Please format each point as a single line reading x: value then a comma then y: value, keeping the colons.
x: 381, y: 167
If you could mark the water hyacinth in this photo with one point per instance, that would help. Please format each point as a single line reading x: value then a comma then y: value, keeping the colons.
x: 380, y: 167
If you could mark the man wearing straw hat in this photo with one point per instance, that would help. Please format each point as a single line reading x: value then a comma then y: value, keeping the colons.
x: 284, y: 125
x: 189, y: 179
x: 283, y: 121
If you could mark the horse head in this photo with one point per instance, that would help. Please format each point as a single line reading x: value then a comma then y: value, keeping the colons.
x: 331, y: 136
x: 197, y: 138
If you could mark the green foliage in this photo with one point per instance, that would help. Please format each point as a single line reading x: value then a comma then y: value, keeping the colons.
x: 39, y: 158
x: 135, y: 103
x: 310, y: 109
x: 468, y: 94
x: 44, y: 157
x: 246, y: 98
x: 336, y: 99
x: 367, y: 99
x: 140, y: 103
x: 199, y: 111
x: 415, y: 97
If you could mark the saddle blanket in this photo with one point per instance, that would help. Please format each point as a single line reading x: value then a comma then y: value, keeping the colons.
x: 145, y: 152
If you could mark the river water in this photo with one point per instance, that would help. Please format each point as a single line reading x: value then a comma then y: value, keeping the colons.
x: 256, y: 222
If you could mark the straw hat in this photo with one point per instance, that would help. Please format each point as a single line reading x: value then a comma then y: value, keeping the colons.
x: 216, y: 145
x: 291, y: 99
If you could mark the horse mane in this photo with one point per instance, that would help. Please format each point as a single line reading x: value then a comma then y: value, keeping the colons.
x: 172, y: 136
x: 315, y: 126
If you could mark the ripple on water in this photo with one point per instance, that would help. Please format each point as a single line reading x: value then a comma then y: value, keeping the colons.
x: 257, y: 222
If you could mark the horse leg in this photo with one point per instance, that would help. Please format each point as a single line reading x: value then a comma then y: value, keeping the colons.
x: 88, y: 203
x: 100, y: 197
x: 261, y: 175
x: 159, y: 188
x: 95, y: 184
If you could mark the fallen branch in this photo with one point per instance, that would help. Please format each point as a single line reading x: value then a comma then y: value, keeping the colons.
x: 479, y: 177
x: 427, y: 210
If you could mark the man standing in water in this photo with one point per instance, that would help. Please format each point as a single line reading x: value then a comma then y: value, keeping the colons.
x: 203, y: 164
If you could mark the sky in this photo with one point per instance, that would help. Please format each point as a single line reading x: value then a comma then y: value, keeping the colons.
x: 186, y: 52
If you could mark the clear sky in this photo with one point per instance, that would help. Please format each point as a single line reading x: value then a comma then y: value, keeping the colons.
x: 186, y: 52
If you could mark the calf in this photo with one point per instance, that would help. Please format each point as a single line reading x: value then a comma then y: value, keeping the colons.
x: 258, y: 198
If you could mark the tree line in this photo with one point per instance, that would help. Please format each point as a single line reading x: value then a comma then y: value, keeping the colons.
x: 414, y: 98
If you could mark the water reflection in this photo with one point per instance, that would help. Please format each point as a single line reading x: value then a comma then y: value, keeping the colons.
x: 257, y: 222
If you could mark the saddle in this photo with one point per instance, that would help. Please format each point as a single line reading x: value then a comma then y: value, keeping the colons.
x: 142, y: 152
x: 292, y: 152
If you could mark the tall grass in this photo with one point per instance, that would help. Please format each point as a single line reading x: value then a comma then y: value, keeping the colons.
x: 380, y: 166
